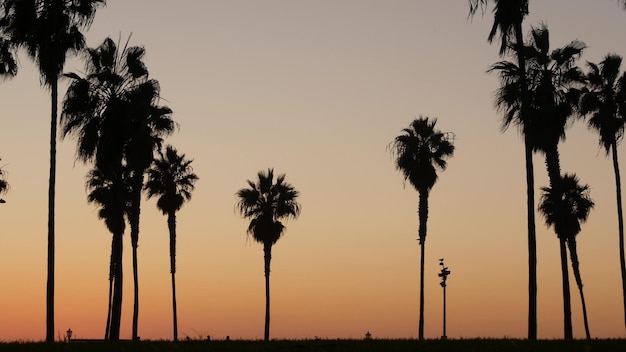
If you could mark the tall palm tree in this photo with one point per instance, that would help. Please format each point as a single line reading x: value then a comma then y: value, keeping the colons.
x: 266, y: 202
x: 552, y: 75
x: 604, y: 101
x: 508, y: 19
x: 49, y: 30
x: 171, y: 178
x: 109, y: 191
x: 566, y: 206
x: 112, y: 114
x: 418, y: 153
x: 149, y: 124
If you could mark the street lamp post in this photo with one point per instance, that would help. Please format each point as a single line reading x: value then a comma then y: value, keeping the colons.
x: 444, y: 276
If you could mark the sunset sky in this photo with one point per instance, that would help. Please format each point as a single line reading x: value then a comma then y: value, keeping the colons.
x: 317, y: 90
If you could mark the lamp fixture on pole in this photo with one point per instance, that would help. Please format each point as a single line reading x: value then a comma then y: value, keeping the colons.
x: 444, y: 276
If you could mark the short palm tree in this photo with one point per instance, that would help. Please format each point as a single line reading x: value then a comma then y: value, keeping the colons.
x: 508, y: 16
x: 266, y: 202
x: 171, y: 179
x: 108, y: 190
x: 604, y: 102
x: 566, y: 206
x: 49, y: 30
x: 418, y: 153
x: 113, y: 115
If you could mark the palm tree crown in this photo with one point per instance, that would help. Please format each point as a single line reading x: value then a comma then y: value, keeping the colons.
x: 48, y: 30
x: 101, y: 109
x: 4, y: 186
x: 604, y: 100
x: 420, y: 151
x: 566, y: 205
x: 266, y: 202
x: 551, y: 77
x: 171, y: 178
x: 507, y: 18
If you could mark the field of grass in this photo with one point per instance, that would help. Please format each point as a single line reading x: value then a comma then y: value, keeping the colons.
x: 465, y: 345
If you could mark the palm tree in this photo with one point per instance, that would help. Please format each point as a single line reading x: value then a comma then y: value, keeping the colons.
x: 418, y: 153
x: 604, y: 101
x: 112, y: 114
x: 551, y: 77
x: 265, y: 203
x: 4, y: 186
x: 149, y: 124
x: 171, y: 178
x: 110, y: 194
x: 566, y: 206
x: 508, y: 18
x: 49, y: 30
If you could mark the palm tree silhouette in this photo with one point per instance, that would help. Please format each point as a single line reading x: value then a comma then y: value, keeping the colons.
x: 508, y: 18
x: 109, y: 191
x: 49, y: 30
x: 265, y: 203
x: 149, y: 124
x: 171, y: 178
x: 4, y: 186
x: 112, y: 113
x: 604, y: 101
x: 551, y: 76
x: 566, y: 206
x: 418, y: 153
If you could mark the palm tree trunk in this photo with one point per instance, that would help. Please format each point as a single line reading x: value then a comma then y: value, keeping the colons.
x: 171, y: 224
x: 553, y: 164
x: 134, y: 236
x: 532, y: 241
x: 567, y: 306
x: 51, y: 195
x: 423, y: 217
x: 620, y: 223
x: 267, y: 249
x: 111, y: 273
x: 116, y: 310
x: 135, y: 291
x: 573, y: 252
x: 530, y: 189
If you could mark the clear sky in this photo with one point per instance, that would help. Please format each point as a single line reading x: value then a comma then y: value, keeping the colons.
x: 317, y: 90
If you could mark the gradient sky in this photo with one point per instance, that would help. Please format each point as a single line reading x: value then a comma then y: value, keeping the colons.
x: 317, y: 90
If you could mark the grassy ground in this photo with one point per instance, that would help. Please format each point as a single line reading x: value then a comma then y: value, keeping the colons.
x: 469, y: 345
